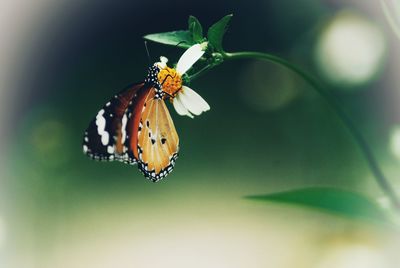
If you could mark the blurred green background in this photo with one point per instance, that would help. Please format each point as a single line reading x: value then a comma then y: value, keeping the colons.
x: 267, y: 131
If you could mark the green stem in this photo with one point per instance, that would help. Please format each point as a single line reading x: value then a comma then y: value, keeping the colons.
x: 366, y: 150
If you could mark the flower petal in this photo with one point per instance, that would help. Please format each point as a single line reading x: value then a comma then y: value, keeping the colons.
x: 189, y: 57
x: 192, y: 101
x: 180, y: 108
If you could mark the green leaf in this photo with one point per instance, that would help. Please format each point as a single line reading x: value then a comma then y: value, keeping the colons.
x: 195, y: 29
x: 334, y: 201
x: 181, y: 39
x: 216, y: 32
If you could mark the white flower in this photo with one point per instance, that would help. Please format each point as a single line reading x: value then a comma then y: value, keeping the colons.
x: 189, y: 57
x: 187, y: 101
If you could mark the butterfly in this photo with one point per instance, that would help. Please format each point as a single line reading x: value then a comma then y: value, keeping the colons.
x: 135, y: 126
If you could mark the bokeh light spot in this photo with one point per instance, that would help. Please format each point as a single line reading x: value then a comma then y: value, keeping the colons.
x: 2, y: 233
x: 350, y: 50
x: 49, y: 140
x: 267, y: 87
x: 353, y: 256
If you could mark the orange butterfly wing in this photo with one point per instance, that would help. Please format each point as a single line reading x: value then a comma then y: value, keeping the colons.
x: 153, y: 139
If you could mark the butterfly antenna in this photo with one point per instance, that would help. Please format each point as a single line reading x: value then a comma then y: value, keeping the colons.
x: 177, y: 45
x: 147, y: 51
x: 172, y: 49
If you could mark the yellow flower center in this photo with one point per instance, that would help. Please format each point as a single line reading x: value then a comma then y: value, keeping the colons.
x: 170, y: 81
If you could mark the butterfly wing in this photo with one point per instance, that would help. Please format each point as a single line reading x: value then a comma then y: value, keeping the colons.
x: 105, y: 137
x: 156, y: 145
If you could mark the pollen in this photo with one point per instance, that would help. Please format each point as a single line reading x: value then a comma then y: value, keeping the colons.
x: 170, y: 81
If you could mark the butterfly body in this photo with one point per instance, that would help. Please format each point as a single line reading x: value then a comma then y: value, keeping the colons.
x: 135, y: 127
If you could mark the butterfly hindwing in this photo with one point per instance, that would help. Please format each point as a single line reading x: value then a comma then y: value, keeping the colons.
x: 157, y: 141
x: 105, y: 137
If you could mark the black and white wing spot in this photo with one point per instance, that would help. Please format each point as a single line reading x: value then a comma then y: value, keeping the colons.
x: 105, y: 137
x: 98, y: 139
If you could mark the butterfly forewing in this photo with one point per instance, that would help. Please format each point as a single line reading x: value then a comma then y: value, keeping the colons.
x: 134, y: 112
x: 105, y: 137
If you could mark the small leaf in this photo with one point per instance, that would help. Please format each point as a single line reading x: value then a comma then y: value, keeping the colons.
x: 335, y: 201
x: 216, y: 32
x: 181, y: 39
x: 196, y: 29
